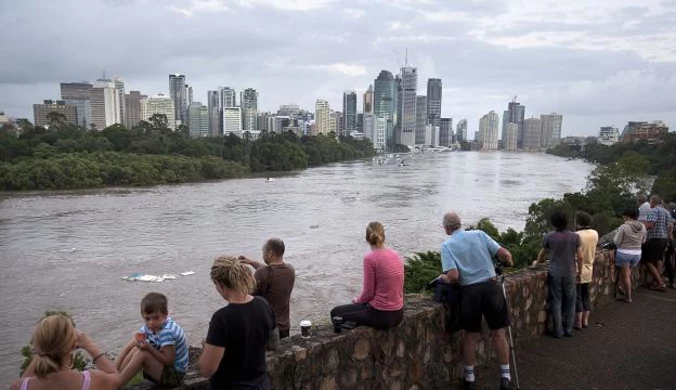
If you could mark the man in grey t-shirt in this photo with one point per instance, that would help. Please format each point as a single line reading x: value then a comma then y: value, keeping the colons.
x: 643, y: 207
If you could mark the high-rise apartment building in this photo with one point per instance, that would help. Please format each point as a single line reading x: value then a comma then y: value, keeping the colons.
x: 514, y: 114
x: 227, y: 97
x: 609, y: 135
x: 121, y: 100
x: 159, y: 104
x: 384, y: 104
x: 488, y: 131
x: 232, y: 121
x: 375, y: 129
x: 532, y: 133
x: 322, y: 117
x: 80, y: 96
x: 461, y: 130
x: 408, y: 88
x: 188, y: 94
x: 434, y: 92
x: 445, y: 132
x: 214, y: 107
x: 349, y: 113
x: 249, y: 104
x: 106, y: 105
x: 289, y: 110
x: 179, y: 94
x: 132, y: 108
x: 509, y: 143
x: 369, y: 98
x: 551, y: 130
x: 41, y: 112
x: 340, y: 122
x: 198, y: 120
x: 421, y: 120
x: 333, y: 122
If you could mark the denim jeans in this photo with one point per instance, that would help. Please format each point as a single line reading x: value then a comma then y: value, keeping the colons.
x: 562, y: 289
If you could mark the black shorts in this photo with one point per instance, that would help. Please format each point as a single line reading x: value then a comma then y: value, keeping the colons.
x: 483, y: 299
x: 653, y: 250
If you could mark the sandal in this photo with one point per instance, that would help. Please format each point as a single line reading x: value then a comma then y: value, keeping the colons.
x: 658, y: 288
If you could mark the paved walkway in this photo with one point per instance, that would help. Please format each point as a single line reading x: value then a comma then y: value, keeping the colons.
x: 627, y: 346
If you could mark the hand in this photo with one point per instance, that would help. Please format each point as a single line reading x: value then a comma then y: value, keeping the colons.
x: 244, y: 259
x: 444, y: 278
x: 142, y: 345
x: 83, y: 341
x: 578, y: 278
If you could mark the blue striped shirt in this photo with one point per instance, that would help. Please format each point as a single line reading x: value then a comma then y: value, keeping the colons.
x: 661, y: 218
x: 170, y: 334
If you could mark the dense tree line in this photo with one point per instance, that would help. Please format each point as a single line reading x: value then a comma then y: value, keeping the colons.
x: 65, y: 156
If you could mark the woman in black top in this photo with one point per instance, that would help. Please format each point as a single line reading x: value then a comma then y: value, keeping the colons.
x: 234, y: 351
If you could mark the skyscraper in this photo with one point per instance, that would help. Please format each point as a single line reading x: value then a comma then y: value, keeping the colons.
x: 510, y: 142
x: 340, y: 122
x: 461, y: 130
x: 159, y: 104
x: 198, y: 120
x: 551, y: 130
x: 514, y: 114
x: 322, y: 114
x: 132, y: 108
x: 488, y: 130
x: 80, y: 96
x: 384, y: 104
x: 249, y: 103
x: 232, y: 121
x: 445, y: 132
x: 421, y: 120
x: 407, y: 105
x: 121, y: 101
x: 105, y: 103
x: 215, y: 123
x: 369, y: 97
x: 532, y: 132
x: 349, y: 113
x: 41, y: 112
x: 188, y: 94
x: 434, y: 91
x: 227, y: 97
x: 179, y: 94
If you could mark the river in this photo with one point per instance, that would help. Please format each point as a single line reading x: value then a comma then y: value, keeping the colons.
x: 69, y: 250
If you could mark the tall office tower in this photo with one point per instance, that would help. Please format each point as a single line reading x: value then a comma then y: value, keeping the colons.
x: 510, y: 142
x: 407, y: 105
x: 227, y: 97
x: 551, y: 130
x: 340, y: 123
x: 375, y: 129
x: 41, y: 112
x: 332, y: 123
x: 349, y: 113
x: 360, y: 122
x: 249, y: 102
x: 105, y: 103
x: 162, y: 105
x: 198, y: 120
x: 188, y: 94
x: 232, y: 121
x: 514, y: 114
x: 322, y: 114
x: 80, y: 96
x: 445, y: 132
x: 179, y: 94
x: 132, y: 108
x: 385, y: 91
x: 421, y: 120
x: 121, y: 100
x: 488, y: 130
x: 434, y: 92
x: 215, y: 122
x: 262, y: 121
x: 461, y: 130
x: 532, y: 133
x: 369, y: 98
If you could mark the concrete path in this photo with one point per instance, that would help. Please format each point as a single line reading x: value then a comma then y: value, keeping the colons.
x: 627, y: 346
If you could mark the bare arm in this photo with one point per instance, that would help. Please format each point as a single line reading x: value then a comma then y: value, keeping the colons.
x: 505, y: 257
x: 580, y: 261
x: 210, y: 359
x: 452, y: 276
x: 541, y: 256
x: 255, y: 264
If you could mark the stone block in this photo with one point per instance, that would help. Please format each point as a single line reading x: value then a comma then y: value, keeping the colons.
x: 362, y: 349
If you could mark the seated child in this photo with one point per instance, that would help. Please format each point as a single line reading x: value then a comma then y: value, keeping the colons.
x: 159, y: 349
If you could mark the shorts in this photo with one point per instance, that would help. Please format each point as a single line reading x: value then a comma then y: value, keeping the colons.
x: 624, y: 259
x: 653, y: 250
x: 483, y: 299
x: 170, y: 377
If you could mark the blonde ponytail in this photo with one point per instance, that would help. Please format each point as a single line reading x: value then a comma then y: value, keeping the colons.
x: 53, y: 341
x: 232, y: 274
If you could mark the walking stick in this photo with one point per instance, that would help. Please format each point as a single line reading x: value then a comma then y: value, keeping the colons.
x: 509, y: 331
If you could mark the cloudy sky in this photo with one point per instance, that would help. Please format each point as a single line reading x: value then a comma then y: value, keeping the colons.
x: 600, y: 64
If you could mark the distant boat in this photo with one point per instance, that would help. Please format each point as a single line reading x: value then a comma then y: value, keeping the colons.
x: 268, y: 180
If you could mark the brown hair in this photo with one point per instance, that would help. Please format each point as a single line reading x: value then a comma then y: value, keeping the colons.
x: 53, y: 341
x: 154, y: 303
x: 275, y: 245
x: 233, y: 274
x: 375, y: 234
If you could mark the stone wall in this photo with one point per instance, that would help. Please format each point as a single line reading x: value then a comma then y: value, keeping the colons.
x: 421, y: 353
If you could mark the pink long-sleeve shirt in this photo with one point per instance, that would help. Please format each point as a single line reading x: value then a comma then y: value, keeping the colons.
x: 383, y: 280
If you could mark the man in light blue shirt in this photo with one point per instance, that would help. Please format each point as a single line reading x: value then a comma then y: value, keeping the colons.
x: 467, y: 258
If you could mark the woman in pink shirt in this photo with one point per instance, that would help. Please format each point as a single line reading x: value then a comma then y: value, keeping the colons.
x: 381, y: 303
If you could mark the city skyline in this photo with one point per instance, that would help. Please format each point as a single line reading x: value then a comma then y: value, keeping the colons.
x: 588, y: 64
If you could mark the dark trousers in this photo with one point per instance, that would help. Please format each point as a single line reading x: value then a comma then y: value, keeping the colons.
x: 562, y: 290
x: 363, y: 314
x: 582, y: 304
x: 669, y: 262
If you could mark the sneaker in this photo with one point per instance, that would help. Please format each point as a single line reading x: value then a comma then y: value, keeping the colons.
x: 469, y: 385
x: 505, y: 384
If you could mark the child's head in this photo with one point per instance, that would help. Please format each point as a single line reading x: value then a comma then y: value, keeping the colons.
x: 154, y: 310
x: 229, y: 274
x: 53, y: 340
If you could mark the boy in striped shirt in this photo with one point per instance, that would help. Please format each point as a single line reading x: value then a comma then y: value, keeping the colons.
x: 159, y: 349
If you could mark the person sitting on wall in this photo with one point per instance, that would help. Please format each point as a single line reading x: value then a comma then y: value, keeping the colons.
x: 274, y: 281
x: 589, y: 238
x: 381, y: 303
x: 467, y: 258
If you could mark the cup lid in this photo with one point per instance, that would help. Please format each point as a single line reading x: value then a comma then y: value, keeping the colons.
x: 305, y: 323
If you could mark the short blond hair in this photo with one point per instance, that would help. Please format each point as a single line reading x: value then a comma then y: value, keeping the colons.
x: 233, y: 274
x: 53, y: 341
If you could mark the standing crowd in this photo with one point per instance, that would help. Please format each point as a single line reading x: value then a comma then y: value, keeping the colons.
x: 256, y: 315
